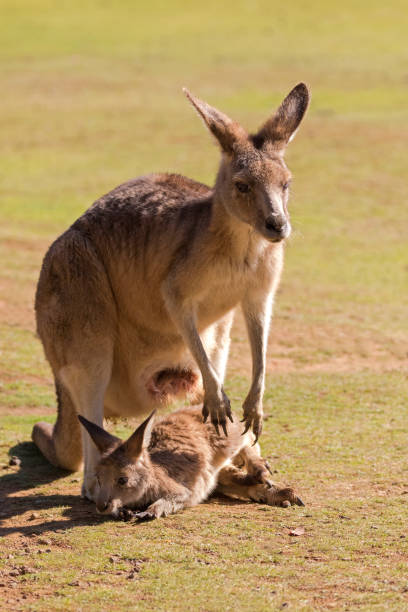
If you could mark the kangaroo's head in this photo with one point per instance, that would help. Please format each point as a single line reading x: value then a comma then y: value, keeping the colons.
x: 253, y: 181
x: 124, y: 470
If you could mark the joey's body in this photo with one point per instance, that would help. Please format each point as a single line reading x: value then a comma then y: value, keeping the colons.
x: 135, y: 300
x: 178, y: 462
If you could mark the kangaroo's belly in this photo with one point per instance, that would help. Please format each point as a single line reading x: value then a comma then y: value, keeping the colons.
x: 151, y: 362
x: 148, y: 375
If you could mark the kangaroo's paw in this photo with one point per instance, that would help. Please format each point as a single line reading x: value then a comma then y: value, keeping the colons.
x: 125, y: 514
x: 218, y: 408
x: 143, y: 517
x: 253, y: 415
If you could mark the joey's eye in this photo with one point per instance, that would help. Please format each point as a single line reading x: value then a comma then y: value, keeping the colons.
x: 122, y: 480
x: 286, y: 186
x: 242, y: 187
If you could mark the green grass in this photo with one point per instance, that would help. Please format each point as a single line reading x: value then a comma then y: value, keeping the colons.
x: 329, y: 435
x: 91, y: 96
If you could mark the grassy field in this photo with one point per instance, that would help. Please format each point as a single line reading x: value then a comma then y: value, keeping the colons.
x: 91, y: 96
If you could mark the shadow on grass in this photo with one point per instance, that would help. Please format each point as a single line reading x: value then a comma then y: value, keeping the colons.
x: 36, y: 471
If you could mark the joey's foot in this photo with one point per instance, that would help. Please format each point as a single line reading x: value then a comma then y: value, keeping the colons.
x: 283, y: 497
x: 218, y: 408
x: 253, y: 419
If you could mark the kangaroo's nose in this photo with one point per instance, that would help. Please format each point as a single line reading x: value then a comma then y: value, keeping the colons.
x: 275, y: 223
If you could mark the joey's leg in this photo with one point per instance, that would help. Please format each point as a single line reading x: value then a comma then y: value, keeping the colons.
x: 236, y: 483
x: 216, y: 403
x: 254, y: 465
x: 257, y: 310
x: 87, y: 387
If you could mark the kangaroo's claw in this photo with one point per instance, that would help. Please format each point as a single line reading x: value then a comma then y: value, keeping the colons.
x: 257, y: 427
x: 229, y: 413
x: 219, y: 409
x: 252, y: 418
x: 268, y: 467
x: 215, y: 423
x: 205, y: 413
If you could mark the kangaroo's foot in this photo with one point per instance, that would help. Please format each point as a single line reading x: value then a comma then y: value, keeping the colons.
x: 47, y: 438
x: 218, y: 408
x: 42, y: 438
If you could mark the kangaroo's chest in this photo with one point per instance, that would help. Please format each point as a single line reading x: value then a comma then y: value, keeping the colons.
x: 222, y: 292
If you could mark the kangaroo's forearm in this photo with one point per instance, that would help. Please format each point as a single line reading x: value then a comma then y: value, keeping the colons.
x: 257, y: 314
x: 216, y: 403
x: 257, y: 311
x: 185, y: 321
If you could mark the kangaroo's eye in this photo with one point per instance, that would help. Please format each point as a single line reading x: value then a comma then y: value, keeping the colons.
x: 286, y: 186
x: 242, y: 187
x: 122, y: 480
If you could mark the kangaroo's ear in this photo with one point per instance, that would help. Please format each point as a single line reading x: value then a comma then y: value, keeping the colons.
x: 140, y: 438
x: 103, y: 440
x: 279, y: 129
x: 227, y: 132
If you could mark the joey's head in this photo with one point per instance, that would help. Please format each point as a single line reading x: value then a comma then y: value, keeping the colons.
x: 124, y: 470
x: 253, y: 180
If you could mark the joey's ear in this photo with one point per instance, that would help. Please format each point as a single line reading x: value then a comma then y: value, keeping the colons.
x: 140, y: 438
x: 103, y: 440
x: 279, y: 129
x: 227, y: 132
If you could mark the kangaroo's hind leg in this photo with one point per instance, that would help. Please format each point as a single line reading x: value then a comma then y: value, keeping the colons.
x: 87, y: 387
x: 251, y: 460
x: 81, y: 390
x: 76, y: 321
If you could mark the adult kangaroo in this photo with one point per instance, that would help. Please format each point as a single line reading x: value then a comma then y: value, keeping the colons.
x: 135, y: 300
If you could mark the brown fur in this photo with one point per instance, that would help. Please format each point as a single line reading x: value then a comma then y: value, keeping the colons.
x: 135, y: 300
x: 177, y: 463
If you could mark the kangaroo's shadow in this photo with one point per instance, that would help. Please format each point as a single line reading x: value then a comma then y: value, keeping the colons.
x: 34, y: 471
